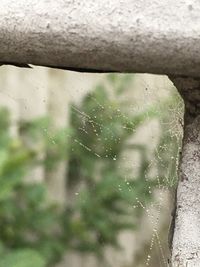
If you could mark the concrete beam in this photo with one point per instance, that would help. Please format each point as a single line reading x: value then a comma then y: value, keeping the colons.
x: 154, y: 36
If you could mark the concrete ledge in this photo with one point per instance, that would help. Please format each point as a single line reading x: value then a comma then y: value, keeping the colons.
x: 155, y: 36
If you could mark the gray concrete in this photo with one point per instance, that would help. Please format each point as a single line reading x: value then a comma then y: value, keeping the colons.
x: 186, y: 240
x: 154, y: 36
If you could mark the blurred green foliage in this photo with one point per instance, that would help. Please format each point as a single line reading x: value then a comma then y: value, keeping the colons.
x: 170, y: 142
x: 102, y: 125
x: 26, y: 219
x: 35, y: 232
x: 22, y: 258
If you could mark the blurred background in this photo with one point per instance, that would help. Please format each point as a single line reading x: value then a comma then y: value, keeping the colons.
x: 87, y: 168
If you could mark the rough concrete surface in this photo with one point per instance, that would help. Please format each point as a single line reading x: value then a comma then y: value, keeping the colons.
x: 186, y: 240
x: 154, y: 36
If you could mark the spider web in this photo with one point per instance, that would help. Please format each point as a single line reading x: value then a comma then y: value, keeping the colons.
x: 159, y: 135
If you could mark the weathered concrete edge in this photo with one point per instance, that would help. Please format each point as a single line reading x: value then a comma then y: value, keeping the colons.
x: 162, y: 37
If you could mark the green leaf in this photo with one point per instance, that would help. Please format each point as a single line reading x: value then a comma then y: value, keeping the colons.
x: 22, y: 258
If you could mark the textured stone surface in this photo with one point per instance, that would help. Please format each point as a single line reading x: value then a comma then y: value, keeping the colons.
x: 186, y: 240
x: 154, y: 36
